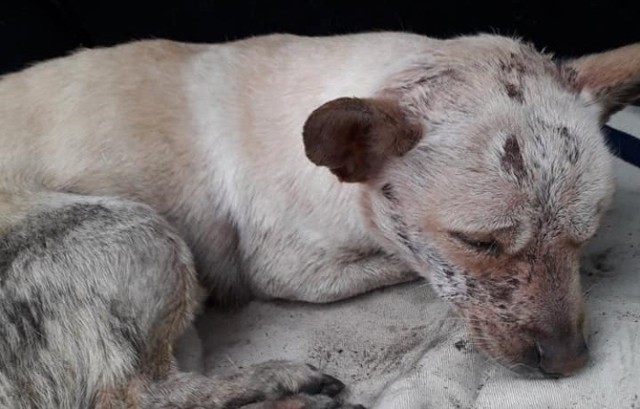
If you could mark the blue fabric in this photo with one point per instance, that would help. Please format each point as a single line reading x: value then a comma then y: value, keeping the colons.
x: 623, y: 145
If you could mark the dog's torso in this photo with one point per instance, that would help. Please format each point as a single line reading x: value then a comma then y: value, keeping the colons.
x: 210, y: 135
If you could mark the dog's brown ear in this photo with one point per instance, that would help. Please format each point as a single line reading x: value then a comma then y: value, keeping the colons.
x: 353, y: 137
x: 611, y: 79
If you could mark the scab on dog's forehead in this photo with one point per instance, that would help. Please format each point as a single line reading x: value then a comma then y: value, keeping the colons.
x: 512, y: 160
x: 517, y: 62
x: 514, y: 92
x: 512, y: 71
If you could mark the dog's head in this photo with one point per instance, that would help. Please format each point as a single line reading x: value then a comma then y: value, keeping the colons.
x: 483, y: 163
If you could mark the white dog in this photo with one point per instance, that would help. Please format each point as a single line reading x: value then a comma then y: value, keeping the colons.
x: 310, y: 169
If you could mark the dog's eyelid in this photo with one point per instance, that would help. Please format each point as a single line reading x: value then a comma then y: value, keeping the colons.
x: 466, y: 236
x: 481, y: 242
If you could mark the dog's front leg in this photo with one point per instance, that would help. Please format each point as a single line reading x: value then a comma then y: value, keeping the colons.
x: 270, y: 385
x: 302, y: 402
x: 327, y: 277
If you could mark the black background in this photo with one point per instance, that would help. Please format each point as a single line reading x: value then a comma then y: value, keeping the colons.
x: 33, y: 30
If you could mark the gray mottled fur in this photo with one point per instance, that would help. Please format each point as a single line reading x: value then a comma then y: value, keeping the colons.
x: 93, y: 292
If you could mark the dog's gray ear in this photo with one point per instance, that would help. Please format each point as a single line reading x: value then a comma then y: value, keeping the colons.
x: 353, y: 137
x: 610, y: 79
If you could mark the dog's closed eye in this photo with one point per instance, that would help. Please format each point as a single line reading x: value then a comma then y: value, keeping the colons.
x: 487, y: 245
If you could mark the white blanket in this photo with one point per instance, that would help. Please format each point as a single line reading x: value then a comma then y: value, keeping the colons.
x: 402, y: 347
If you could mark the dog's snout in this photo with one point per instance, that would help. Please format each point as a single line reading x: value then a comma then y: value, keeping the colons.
x: 562, y: 356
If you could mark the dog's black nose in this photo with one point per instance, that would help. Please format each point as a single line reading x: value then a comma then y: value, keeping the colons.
x: 562, y: 356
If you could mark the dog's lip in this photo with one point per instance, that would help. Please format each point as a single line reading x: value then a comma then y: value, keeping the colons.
x: 521, y: 368
x: 551, y: 375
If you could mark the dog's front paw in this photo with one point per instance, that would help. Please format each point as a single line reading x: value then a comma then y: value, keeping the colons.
x: 277, y: 379
x: 303, y: 401
x: 288, y: 385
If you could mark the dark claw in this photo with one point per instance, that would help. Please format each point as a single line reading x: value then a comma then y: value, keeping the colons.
x: 330, y: 386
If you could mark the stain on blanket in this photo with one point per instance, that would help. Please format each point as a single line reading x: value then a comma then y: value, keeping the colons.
x: 367, y: 357
x: 598, y: 267
x: 464, y: 345
x: 627, y: 315
x: 601, y: 263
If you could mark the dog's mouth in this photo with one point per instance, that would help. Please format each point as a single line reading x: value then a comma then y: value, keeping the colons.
x: 523, y: 364
x: 549, y: 357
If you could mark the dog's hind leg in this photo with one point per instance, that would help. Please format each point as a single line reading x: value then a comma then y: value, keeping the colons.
x: 93, y: 294
x: 332, y: 277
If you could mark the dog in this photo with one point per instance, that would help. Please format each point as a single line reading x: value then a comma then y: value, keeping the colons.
x: 137, y: 180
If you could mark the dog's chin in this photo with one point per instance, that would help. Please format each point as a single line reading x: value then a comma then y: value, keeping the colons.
x: 514, y: 365
x: 521, y: 364
x: 521, y: 369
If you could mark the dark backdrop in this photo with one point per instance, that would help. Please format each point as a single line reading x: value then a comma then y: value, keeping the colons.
x: 33, y: 30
